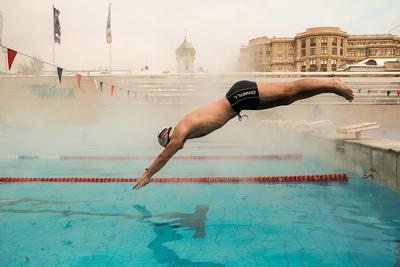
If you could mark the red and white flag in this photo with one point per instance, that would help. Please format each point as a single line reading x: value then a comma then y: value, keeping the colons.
x: 108, y: 32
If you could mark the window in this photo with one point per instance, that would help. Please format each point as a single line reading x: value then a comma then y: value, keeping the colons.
x: 312, y: 51
x: 397, y: 52
x: 372, y: 52
x: 341, y: 42
x: 290, y: 66
x: 260, y: 57
x: 334, y: 51
x: 279, y: 67
x: 291, y: 45
x: 279, y: 57
x: 324, y: 51
x: 334, y: 41
x: 341, y: 51
x: 391, y: 52
x: 333, y: 64
x: 279, y: 46
x: 324, y: 41
x: 303, y: 52
x: 382, y: 52
x: 303, y: 43
x: 352, y: 53
x: 324, y: 65
x: 268, y: 58
x: 313, y: 65
x: 350, y: 43
x: 290, y: 57
x: 303, y: 66
x: 362, y: 53
x: 313, y: 41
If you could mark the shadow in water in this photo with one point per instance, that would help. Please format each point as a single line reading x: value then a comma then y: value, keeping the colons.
x: 165, y: 231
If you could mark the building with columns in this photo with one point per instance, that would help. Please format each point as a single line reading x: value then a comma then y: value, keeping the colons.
x: 317, y: 49
x: 185, y: 57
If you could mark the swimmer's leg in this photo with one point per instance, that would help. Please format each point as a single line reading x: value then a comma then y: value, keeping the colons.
x: 287, y: 93
x: 305, y: 88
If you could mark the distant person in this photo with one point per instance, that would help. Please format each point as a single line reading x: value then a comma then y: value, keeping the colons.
x: 243, y: 95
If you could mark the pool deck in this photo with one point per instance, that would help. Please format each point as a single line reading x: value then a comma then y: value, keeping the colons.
x: 376, y: 159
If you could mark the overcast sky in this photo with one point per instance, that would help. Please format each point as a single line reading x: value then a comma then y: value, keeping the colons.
x: 149, y: 31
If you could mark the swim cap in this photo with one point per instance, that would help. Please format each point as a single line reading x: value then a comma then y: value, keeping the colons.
x: 164, y: 136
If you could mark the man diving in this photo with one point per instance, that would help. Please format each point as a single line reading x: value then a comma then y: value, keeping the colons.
x: 243, y: 95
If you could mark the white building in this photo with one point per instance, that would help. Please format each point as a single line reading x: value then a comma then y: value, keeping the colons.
x: 374, y: 65
x: 185, y: 57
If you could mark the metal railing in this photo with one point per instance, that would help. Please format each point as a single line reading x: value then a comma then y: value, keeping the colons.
x: 178, y: 88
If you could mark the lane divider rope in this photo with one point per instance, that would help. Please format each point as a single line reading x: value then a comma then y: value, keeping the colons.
x: 293, y: 156
x: 252, y: 179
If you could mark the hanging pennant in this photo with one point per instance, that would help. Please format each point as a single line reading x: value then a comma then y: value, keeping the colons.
x: 11, y: 55
x: 112, y: 89
x: 359, y: 91
x: 59, y: 73
x: 369, y: 91
x: 388, y: 93
x: 398, y: 92
x: 101, y: 86
x: 78, y: 80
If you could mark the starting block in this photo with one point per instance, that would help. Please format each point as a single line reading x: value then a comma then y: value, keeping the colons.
x: 358, y: 128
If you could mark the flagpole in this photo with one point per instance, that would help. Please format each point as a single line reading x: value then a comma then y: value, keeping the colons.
x: 54, y: 54
x: 54, y: 47
x: 109, y: 28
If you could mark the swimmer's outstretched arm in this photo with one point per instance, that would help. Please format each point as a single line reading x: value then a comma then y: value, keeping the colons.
x: 174, y: 145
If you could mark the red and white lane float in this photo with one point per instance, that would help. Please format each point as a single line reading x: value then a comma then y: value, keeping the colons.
x: 342, y: 177
x: 288, y: 156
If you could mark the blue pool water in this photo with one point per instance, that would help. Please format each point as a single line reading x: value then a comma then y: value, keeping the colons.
x: 78, y: 224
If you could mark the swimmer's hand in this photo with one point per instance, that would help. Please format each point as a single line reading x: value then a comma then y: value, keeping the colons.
x: 142, y: 181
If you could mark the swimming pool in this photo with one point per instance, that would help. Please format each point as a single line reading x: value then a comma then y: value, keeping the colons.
x: 299, y: 224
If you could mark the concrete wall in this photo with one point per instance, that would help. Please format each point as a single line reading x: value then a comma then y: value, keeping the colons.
x: 380, y: 163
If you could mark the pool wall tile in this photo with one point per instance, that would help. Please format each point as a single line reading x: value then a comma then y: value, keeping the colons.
x: 362, y: 159
x: 373, y: 158
x: 398, y: 173
x: 380, y: 164
x: 384, y: 167
x: 349, y: 156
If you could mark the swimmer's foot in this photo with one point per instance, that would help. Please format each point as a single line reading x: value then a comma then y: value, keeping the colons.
x: 342, y: 89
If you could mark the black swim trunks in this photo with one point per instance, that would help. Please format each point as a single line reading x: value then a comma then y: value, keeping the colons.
x: 243, y: 95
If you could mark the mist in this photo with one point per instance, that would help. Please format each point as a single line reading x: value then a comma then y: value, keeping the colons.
x: 92, y: 122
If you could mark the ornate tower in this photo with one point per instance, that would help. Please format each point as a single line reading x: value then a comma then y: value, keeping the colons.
x: 185, y: 57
